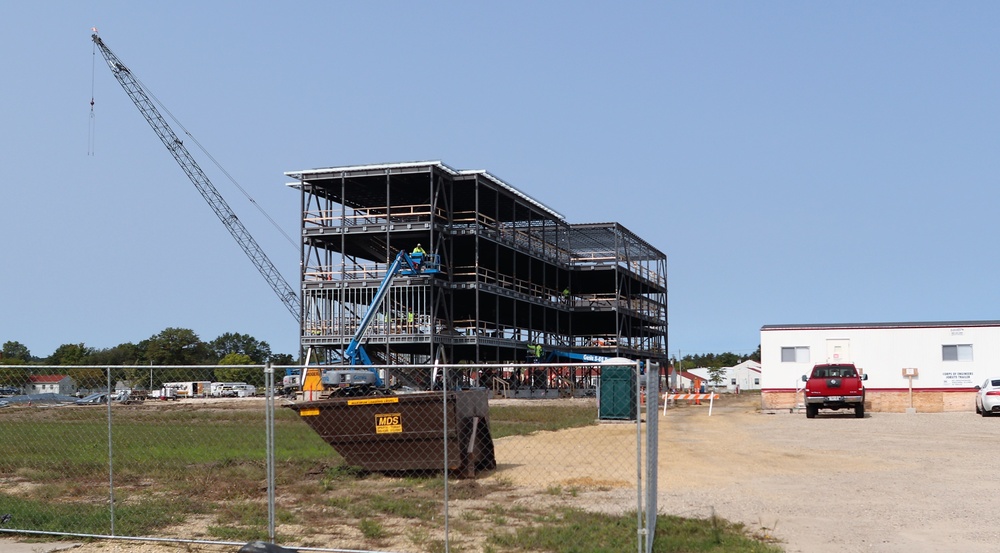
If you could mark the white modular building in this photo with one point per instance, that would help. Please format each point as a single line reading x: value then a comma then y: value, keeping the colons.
x: 927, y: 366
x: 738, y: 378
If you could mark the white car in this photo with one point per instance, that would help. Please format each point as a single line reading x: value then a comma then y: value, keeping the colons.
x: 988, y: 397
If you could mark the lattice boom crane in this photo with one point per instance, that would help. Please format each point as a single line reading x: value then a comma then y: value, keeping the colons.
x: 137, y: 93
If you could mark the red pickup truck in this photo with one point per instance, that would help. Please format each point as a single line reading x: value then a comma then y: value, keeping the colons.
x: 834, y: 387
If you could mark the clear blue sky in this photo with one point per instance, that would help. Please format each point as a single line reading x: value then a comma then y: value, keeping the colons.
x: 798, y: 162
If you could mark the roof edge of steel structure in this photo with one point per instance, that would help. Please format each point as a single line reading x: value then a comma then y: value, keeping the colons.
x: 499, y: 182
x: 329, y: 171
x: 621, y: 230
x: 326, y: 171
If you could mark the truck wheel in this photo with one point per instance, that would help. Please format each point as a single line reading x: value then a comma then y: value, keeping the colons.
x: 859, y: 411
x: 811, y: 411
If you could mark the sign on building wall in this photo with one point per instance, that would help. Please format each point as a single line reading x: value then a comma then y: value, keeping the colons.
x: 956, y: 378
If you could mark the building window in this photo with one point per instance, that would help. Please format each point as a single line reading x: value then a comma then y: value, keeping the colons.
x: 732, y: 381
x: 796, y: 354
x: 959, y: 352
x: 756, y: 382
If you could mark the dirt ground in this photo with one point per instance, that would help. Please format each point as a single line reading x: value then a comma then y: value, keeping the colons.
x: 890, y: 482
x: 886, y: 483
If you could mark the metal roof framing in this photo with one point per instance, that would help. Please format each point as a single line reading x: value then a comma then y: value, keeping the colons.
x: 412, y: 167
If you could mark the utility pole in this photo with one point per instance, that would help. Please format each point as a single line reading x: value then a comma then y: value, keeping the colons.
x: 677, y: 370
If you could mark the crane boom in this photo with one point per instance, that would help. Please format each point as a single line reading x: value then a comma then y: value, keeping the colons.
x: 137, y: 93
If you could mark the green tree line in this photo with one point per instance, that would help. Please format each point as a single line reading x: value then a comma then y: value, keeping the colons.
x: 171, y: 346
x: 714, y: 360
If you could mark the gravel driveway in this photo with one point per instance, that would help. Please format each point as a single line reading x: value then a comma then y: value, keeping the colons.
x: 886, y: 483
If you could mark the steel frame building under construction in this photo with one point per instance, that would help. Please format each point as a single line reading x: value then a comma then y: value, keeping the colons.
x: 513, y: 272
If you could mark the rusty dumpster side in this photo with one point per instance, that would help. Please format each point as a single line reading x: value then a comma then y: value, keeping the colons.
x: 407, y: 432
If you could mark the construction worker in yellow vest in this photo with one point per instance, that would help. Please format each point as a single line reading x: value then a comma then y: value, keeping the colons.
x: 418, y: 256
x: 535, y: 350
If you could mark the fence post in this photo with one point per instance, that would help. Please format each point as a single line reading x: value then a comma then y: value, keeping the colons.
x: 444, y: 425
x: 269, y: 445
x: 652, y: 451
x: 111, y: 458
x: 640, y: 526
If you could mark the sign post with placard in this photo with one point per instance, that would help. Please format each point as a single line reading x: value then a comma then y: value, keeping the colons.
x: 910, y: 374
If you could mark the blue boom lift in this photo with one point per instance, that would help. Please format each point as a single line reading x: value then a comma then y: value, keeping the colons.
x: 404, y: 264
x: 361, y: 382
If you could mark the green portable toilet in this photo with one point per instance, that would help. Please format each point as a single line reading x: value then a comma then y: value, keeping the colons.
x: 616, y: 391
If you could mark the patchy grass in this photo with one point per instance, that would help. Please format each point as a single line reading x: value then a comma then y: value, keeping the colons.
x: 371, y: 529
x: 173, y: 465
x: 573, y: 530
x: 520, y: 420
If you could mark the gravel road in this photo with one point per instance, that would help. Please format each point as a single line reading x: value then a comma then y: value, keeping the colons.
x: 890, y: 482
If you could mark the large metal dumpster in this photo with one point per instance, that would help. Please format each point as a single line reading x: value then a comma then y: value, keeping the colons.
x: 406, y: 432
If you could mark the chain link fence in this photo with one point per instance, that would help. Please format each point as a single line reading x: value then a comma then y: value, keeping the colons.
x: 232, y: 454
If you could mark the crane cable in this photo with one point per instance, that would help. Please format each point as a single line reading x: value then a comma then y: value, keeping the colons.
x: 91, y: 130
x: 203, y: 150
x: 218, y: 165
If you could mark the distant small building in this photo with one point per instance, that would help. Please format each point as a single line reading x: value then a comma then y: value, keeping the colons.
x: 51, y: 384
x: 742, y: 377
x: 686, y: 381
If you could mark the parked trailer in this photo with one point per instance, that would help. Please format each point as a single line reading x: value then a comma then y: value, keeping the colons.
x: 164, y: 393
x: 193, y: 388
x: 232, y: 389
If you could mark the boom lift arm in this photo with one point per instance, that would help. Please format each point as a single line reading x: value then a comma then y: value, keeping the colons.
x: 137, y: 93
x: 403, y: 263
x: 351, y: 382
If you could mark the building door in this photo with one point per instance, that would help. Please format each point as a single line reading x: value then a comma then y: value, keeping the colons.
x: 838, y: 350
